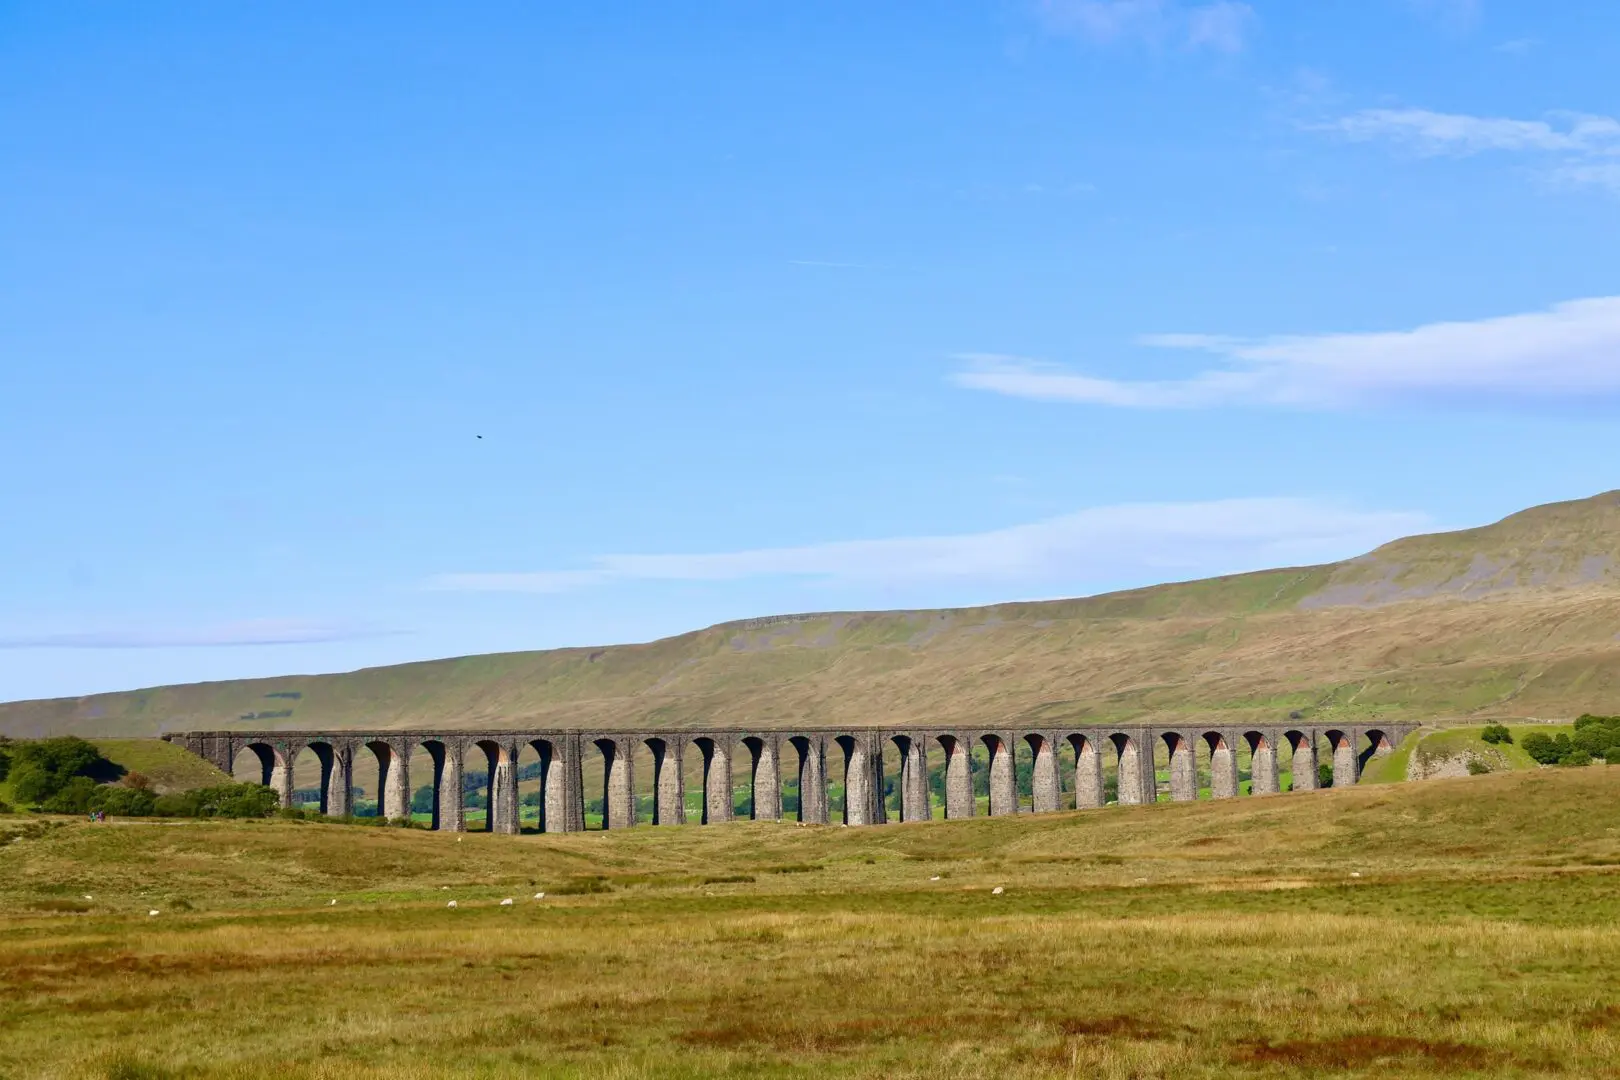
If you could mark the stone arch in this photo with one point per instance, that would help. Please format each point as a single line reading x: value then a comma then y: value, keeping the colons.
x: 258, y: 767
x: 554, y: 815
x: 1183, y: 767
x: 668, y: 787
x: 1223, y: 766
x: 861, y: 805
x: 1379, y: 744
x: 718, y: 802
x: 1303, y: 766
x: 1003, y: 783
x: 1089, y: 790
x: 1132, y: 788
x: 483, y: 782
x: 618, y: 787
x: 958, y: 777
x: 1346, y: 765
x: 764, y: 779
x: 911, y: 787
x: 334, y: 781
x: 1045, y: 786
x: 393, y: 779
x: 1262, y: 763
x: 442, y: 784
x: 810, y: 779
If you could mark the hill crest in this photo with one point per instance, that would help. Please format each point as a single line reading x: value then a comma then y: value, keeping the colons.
x: 1403, y: 632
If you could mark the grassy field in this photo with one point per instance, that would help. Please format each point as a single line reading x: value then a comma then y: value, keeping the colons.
x: 1511, y: 621
x: 1465, y: 927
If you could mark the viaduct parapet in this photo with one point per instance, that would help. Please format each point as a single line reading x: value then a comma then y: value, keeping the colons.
x: 712, y: 758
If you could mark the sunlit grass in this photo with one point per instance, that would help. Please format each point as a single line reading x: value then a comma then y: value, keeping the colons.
x: 1465, y: 927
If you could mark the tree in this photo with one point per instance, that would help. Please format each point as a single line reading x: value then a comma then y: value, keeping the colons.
x: 422, y: 800
x: 1324, y: 776
x: 1544, y: 749
x: 76, y: 796
x: 1593, y: 739
x: 1496, y: 734
x: 123, y: 801
x: 42, y: 768
x: 5, y: 756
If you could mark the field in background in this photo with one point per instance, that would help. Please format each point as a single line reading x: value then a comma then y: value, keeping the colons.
x: 1511, y: 621
x: 1463, y: 926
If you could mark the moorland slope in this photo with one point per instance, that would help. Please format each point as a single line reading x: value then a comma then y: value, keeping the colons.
x: 1516, y: 619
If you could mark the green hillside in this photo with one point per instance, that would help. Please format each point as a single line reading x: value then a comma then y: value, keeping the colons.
x: 1514, y: 620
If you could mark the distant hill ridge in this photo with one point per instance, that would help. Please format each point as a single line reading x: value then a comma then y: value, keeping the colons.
x: 1513, y: 619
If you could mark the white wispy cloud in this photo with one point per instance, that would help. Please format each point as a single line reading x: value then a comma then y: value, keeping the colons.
x: 1144, y: 541
x: 1458, y: 133
x: 1220, y: 26
x: 1569, y: 352
x: 247, y: 632
x: 1584, y: 145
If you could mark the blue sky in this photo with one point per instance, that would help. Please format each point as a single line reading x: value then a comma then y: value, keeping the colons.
x: 766, y: 307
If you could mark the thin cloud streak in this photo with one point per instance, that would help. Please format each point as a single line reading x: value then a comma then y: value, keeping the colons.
x: 224, y: 635
x: 1567, y: 353
x: 1588, y: 144
x: 1457, y: 133
x: 1147, y: 541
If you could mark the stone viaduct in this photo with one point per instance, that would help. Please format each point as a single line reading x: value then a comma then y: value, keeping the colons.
x: 443, y: 756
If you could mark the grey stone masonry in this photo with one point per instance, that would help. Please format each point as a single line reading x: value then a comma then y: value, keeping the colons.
x: 798, y: 759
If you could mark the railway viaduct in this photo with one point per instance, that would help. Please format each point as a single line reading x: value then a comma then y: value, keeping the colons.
x: 714, y: 756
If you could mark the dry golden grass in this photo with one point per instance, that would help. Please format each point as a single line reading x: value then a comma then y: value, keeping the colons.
x: 1460, y: 927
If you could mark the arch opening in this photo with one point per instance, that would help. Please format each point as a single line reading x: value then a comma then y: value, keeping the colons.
x: 254, y: 763
x: 1379, y: 744
x: 804, y: 791
x: 529, y: 778
x: 1023, y: 774
x: 479, y: 761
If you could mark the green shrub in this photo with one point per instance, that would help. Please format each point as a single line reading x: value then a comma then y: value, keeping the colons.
x: 1586, y: 720
x: 1477, y: 767
x: 1612, y: 755
x: 74, y: 797
x: 1496, y: 734
x: 42, y: 768
x: 1576, y: 757
x: 5, y: 756
x: 1544, y: 749
x: 1324, y: 776
x: 225, y: 800
x: 1594, y: 739
x: 5, y: 807
x: 120, y: 801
